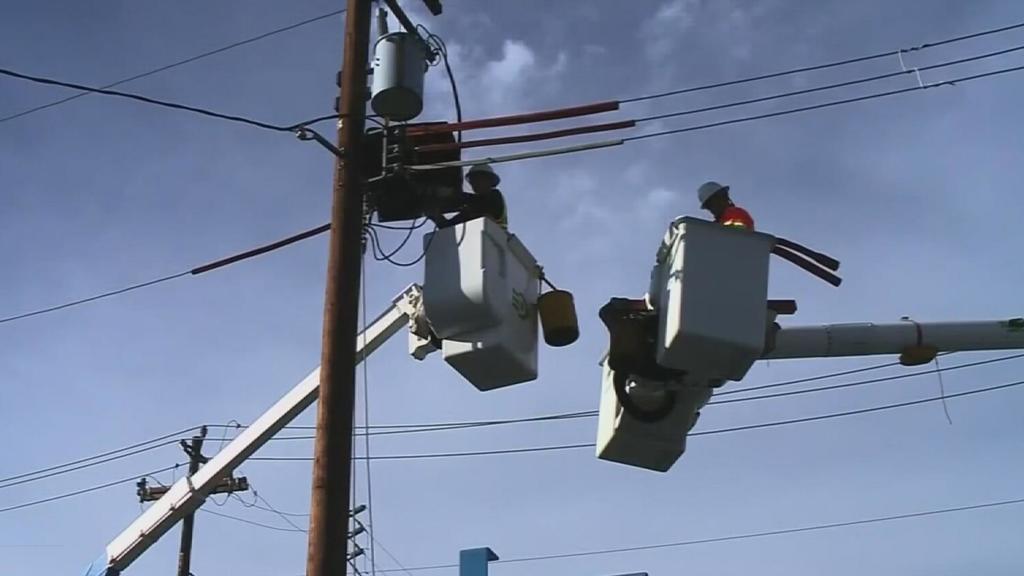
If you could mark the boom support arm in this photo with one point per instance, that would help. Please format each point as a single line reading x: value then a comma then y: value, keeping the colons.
x: 867, y: 339
x: 189, y: 493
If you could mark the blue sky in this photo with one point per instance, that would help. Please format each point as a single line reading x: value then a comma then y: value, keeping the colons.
x: 917, y: 195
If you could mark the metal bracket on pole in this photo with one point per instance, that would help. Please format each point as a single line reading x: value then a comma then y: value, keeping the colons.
x: 306, y: 133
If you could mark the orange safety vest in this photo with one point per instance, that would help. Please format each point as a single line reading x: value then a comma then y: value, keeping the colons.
x: 736, y: 216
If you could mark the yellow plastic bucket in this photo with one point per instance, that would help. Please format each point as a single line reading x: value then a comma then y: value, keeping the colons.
x: 558, y: 318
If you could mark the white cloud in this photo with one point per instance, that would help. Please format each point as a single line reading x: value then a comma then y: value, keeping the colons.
x: 732, y: 21
x: 560, y: 65
x: 663, y: 28
x: 738, y: 26
x: 659, y: 205
x: 503, y: 84
x: 517, y: 60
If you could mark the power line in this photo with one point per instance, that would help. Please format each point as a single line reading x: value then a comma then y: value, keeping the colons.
x: 147, y: 100
x: 746, y: 536
x: 387, y: 429
x: 791, y: 71
x: 859, y: 411
x: 366, y: 422
x: 391, y: 429
x: 392, y: 556
x: 178, y: 63
x: 550, y: 448
x: 101, y: 455
x: 809, y: 379
x: 105, y: 90
x: 132, y: 478
x: 572, y: 149
x: 88, y: 464
x: 192, y: 272
x: 744, y: 428
x: 252, y: 522
x: 282, y: 515
x: 278, y: 512
x: 435, y: 455
x: 864, y: 80
x: 954, y: 81
x: 928, y: 372
x: 100, y: 296
x: 437, y: 427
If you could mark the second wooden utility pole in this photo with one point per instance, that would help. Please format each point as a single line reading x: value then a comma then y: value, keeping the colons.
x: 194, y: 449
x: 332, y: 457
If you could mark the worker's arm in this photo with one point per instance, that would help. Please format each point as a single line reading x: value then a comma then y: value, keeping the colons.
x: 490, y: 204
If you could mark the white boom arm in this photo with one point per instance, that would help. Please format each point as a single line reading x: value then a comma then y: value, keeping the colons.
x: 866, y: 339
x: 189, y: 493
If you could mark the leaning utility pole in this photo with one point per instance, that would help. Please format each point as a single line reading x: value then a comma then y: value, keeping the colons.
x: 194, y: 449
x: 228, y: 484
x: 332, y: 460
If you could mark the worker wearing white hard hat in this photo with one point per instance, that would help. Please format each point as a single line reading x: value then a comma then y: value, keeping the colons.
x: 714, y: 198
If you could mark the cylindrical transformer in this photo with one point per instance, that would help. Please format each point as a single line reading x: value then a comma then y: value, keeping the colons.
x: 399, y: 65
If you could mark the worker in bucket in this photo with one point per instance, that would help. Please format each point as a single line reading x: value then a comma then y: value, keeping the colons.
x: 486, y: 199
x: 714, y: 198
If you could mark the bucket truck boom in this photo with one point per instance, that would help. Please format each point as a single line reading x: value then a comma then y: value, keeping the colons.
x: 187, y: 494
x: 480, y: 289
x: 707, y: 319
x: 867, y: 339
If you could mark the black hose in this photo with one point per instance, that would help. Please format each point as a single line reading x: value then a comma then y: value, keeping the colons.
x: 807, y: 265
x: 823, y: 260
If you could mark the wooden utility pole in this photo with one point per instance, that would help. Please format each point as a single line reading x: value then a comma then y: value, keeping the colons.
x: 194, y: 449
x: 228, y: 485
x: 332, y: 458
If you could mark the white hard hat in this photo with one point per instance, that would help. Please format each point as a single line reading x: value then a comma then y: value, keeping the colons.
x: 709, y: 189
x: 480, y: 169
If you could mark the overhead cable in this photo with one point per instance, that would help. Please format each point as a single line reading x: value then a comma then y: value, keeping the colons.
x: 857, y: 383
x: 552, y: 448
x: 855, y: 60
x: 743, y: 428
x: 177, y: 64
x: 393, y: 429
x: 172, y: 436
x: 90, y: 464
x: 147, y: 100
x: 608, y: 143
x: 192, y: 272
x: 744, y: 536
x: 951, y: 82
x: 443, y: 426
x: 132, y: 478
x: 624, y: 124
x: 864, y: 80
x: 252, y: 522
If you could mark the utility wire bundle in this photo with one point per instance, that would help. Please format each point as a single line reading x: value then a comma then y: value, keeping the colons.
x: 174, y: 437
x: 572, y: 112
